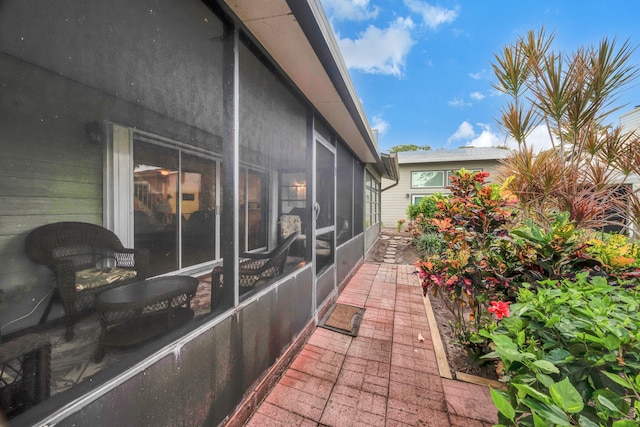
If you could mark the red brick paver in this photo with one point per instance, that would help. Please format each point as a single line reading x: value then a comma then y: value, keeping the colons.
x: 385, y: 376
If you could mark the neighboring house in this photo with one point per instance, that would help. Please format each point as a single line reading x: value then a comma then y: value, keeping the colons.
x: 189, y: 128
x: 422, y: 173
x: 630, y: 122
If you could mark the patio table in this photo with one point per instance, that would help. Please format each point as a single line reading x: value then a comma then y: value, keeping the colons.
x: 136, y: 312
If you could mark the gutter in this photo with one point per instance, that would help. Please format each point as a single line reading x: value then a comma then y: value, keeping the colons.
x: 390, y: 165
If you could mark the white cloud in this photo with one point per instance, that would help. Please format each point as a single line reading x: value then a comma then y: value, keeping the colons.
x: 464, y: 132
x: 539, y: 139
x: 467, y: 134
x: 486, y: 139
x: 379, y: 124
x: 482, y: 74
x: 379, y: 51
x: 458, y: 103
x: 352, y: 10
x: 433, y: 16
x: 477, y: 96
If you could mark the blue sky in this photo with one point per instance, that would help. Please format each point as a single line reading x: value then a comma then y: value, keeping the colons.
x: 422, y: 69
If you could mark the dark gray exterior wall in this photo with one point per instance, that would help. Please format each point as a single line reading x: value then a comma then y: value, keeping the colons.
x: 348, y: 257
x: 200, y: 379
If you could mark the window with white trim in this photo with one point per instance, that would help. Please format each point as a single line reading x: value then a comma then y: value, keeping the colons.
x: 427, y: 179
x: 372, y: 200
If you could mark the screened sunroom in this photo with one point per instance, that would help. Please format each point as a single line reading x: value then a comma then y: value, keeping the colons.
x: 202, y: 135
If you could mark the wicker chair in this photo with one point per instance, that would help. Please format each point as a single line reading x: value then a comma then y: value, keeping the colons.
x: 85, y: 259
x: 254, y: 269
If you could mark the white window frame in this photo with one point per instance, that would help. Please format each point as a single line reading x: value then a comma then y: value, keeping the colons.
x: 413, y: 177
x: 118, y: 187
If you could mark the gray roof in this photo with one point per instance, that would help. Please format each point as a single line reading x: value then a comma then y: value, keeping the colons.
x: 456, y: 155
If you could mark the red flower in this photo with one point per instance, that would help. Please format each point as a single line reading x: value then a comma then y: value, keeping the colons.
x: 480, y: 176
x: 500, y: 309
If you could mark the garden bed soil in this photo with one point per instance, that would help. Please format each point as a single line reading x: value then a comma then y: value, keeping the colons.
x: 407, y: 253
x: 457, y: 356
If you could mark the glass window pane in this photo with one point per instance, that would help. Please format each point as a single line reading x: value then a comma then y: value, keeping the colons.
x: 155, y: 190
x: 422, y: 179
x: 242, y: 197
x: 358, y: 198
x: 198, y: 203
x: 257, y: 209
x: 293, y: 202
x: 325, y: 252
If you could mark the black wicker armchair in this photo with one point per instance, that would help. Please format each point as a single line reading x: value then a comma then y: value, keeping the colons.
x: 254, y: 269
x: 85, y: 259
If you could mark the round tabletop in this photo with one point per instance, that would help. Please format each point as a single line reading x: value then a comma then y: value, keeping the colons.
x: 147, y: 291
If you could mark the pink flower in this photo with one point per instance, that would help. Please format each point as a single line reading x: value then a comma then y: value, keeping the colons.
x: 500, y: 309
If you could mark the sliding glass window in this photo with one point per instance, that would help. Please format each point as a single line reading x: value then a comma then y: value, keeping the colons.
x: 174, y: 207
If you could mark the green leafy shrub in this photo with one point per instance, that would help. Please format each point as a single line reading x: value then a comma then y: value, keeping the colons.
x: 426, y: 206
x: 420, y: 215
x: 571, y: 355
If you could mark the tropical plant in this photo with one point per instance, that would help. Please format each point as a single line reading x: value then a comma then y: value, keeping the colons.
x: 615, y: 252
x: 573, y: 96
x: 429, y: 243
x: 473, y: 266
x: 551, y: 252
x: 420, y: 215
x: 425, y: 206
x: 571, y: 355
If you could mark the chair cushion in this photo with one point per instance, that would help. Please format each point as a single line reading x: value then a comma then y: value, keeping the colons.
x: 290, y: 224
x: 95, y: 277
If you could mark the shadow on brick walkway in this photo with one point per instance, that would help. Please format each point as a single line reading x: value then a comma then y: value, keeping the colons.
x: 383, y: 377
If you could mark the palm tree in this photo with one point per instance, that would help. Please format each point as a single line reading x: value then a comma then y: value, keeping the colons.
x: 587, y: 170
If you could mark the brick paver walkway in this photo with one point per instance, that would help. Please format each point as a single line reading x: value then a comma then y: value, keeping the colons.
x: 383, y: 377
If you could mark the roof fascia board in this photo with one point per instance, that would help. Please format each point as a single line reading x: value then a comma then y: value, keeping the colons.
x: 315, y: 25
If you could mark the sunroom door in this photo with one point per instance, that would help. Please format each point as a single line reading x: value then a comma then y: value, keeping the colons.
x: 324, y: 214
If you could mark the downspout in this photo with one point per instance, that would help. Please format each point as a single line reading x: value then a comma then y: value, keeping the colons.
x: 391, y: 186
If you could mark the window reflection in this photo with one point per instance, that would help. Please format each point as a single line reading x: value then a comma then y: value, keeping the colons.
x: 155, y: 190
x: 254, y: 209
x: 171, y: 201
x: 198, y: 210
x: 325, y: 252
x: 372, y: 200
x: 293, y: 201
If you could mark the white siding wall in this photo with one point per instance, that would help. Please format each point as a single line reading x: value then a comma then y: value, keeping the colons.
x: 395, y: 201
x: 631, y: 120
